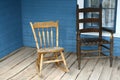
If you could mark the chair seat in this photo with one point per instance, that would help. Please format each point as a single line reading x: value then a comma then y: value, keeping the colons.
x: 48, y: 50
x: 93, y: 41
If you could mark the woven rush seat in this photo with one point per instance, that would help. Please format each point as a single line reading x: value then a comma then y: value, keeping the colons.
x: 93, y: 41
x: 51, y: 49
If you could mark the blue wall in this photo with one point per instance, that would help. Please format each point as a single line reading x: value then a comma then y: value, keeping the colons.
x: 10, y: 26
x: 15, y: 16
x: 45, y: 10
x: 62, y: 10
x: 116, y: 46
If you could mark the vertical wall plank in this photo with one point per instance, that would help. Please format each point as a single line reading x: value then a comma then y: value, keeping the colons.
x: 46, y: 10
x: 10, y: 26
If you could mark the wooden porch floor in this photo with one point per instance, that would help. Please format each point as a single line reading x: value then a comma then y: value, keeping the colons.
x: 21, y: 66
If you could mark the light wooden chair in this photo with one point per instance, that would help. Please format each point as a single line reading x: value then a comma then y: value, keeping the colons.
x: 46, y: 38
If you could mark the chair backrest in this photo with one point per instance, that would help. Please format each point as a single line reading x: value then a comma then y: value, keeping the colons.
x: 45, y: 34
x: 90, y: 16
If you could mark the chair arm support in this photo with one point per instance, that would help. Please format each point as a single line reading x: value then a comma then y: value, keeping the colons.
x: 108, y: 30
x: 111, y: 36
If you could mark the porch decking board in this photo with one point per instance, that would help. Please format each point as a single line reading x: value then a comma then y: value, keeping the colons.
x: 12, y: 57
x: 87, y: 70
x: 18, y: 65
x: 22, y: 66
x: 97, y: 70
x: 12, y: 54
x: 47, y: 70
x: 51, y: 68
x: 74, y: 72
x: 106, y: 72
x: 30, y: 72
x: 55, y: 75
x: 11, y: 62
x: 116, y: 70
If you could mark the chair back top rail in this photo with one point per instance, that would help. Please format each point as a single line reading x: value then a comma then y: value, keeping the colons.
x: 48, y: 24
x: 45, y: 34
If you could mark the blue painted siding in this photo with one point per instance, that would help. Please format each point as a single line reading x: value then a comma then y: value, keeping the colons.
x: 45, y: 10
x: 116, y: 46
x: 10, y: 26
x: 15, y: 16
x: 62, y: 10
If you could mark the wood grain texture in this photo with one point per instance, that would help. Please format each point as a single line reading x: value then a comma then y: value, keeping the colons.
x: 22, y: 66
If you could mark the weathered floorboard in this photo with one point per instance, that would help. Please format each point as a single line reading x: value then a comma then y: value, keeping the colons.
x: 22, y: 66
x: 87, y: 70
x: 98, y: 69
x: 115, y: 75
x: 106, y: 72
x: 48, y: 70
x: 15, y: 60
x: 74, y: 72
x: 19, y: 67
x: 69, y: 61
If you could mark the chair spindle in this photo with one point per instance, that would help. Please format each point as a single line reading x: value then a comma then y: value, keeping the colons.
x: 43, y: 36
x: 48, y: 40
x: 40, y: 38
x: 51, y: 37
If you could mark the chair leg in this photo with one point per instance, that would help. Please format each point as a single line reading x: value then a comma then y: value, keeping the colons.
x: 111, y: 56
x: 79, y: 55
x: 37, y: 65
x: 111, y: 61
x: 64, y: 61
x: 79, y: 61
x: 41, y: 64
x: 56, y: 57
x: 99, y: 50
x: 111, y: 50
x: 78, y: 49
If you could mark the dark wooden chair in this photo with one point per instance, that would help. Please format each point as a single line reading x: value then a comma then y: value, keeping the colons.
x: 46, y: 36
x: 88, y: 22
